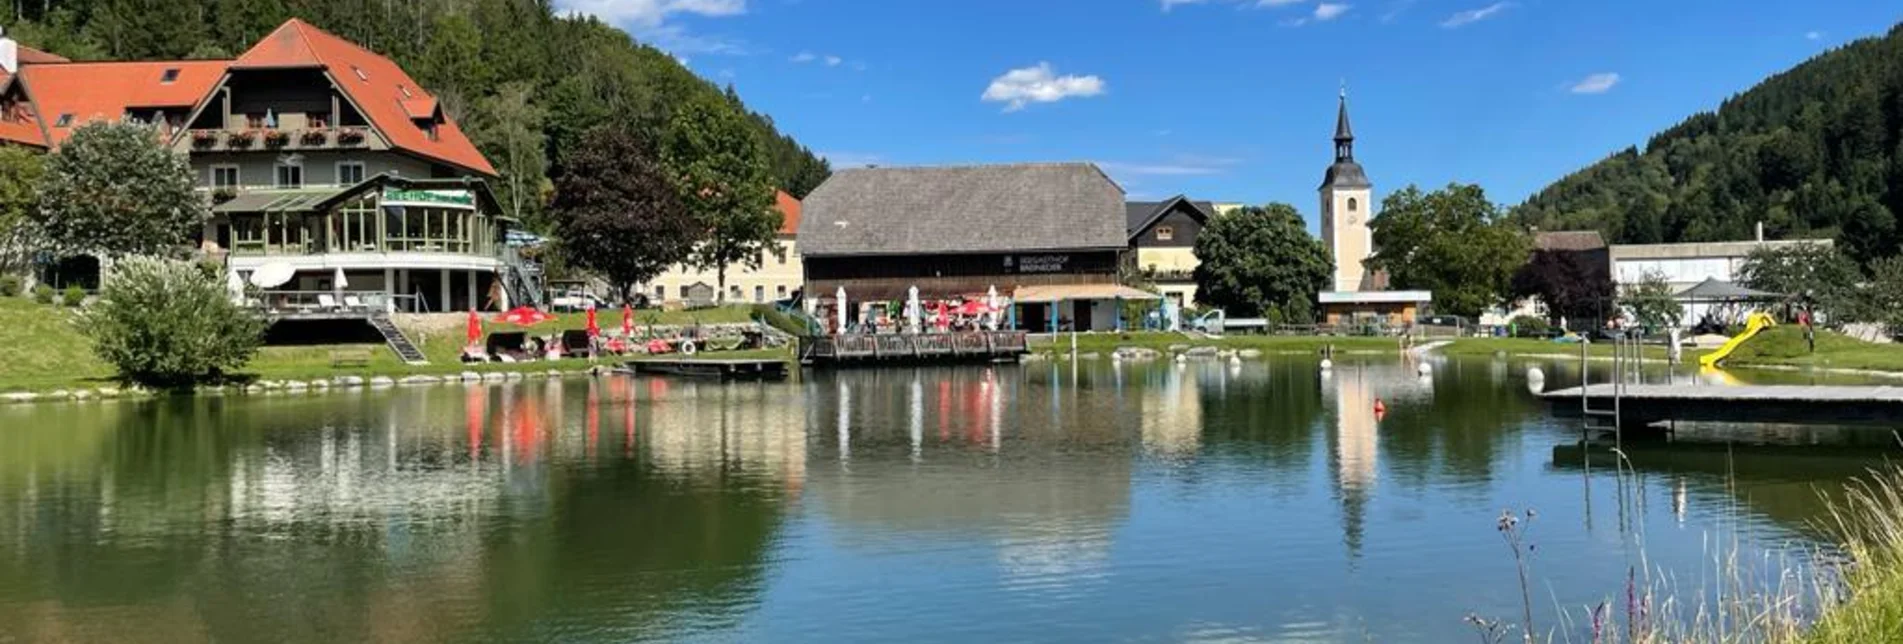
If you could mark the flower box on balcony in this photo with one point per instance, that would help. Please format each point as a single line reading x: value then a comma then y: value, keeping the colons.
x: 240, y: 139
x: 350, y: 136
x: 204, y: 138
x: 314, y: 137
x: 276, y: 138
x: 223, y: 194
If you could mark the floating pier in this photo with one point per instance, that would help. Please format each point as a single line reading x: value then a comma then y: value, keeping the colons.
x: 758, y: 369
x: 1798, y: 404
x: 970, y: 346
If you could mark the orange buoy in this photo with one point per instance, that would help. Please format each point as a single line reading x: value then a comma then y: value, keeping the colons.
x: 1380, y: 407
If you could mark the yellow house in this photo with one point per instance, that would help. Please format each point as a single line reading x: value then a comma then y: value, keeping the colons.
x: 1163, y: 237
x: 776, y: 279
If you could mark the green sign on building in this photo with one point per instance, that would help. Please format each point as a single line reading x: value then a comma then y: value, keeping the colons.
x: 449, y: 197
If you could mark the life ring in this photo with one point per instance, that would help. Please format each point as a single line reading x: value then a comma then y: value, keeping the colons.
x: 688, y: 348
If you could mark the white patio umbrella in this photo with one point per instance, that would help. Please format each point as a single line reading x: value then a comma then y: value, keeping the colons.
x: 338, y: 283
x: 273, y: 275
x: 234, y: 284
x: 991, y: 307
x: 911, y: 309
x: 839, y: 296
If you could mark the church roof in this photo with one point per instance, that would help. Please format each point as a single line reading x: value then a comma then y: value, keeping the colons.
x: 1346, y: 174
x: 1342, y: 131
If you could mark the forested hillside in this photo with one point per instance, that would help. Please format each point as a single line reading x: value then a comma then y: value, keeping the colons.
x: 524, y: 81
x: 1814, y: 151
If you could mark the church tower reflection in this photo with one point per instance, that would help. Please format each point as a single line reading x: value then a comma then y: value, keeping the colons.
x: 1356, y: 449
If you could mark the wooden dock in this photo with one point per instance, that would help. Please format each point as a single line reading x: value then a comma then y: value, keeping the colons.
x: 908, y: 347
x: 1645, y: 404
x: 761, y: 369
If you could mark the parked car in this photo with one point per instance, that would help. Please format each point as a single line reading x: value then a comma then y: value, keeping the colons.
x: 576, y: 300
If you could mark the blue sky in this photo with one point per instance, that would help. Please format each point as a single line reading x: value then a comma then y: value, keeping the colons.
x: 1234, y: 100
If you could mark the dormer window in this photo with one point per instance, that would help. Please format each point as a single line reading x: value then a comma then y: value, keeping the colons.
x: 360, y: 74
x: 65, y: 120
x: 1165, y: 233
x: 170, y: 76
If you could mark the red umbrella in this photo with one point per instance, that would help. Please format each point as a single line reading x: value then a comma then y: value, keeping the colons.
x: 972, y: 307
x: 474, y: 333
x: 524, y: 316
x: 940, y: 320
x: 593, y: 329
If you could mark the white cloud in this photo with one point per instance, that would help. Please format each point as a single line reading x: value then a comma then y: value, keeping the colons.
x: 834, y: 61
x: 1329, y: 11
x: 1813, y: 35
x: 1395, y: 10
x: 1599, y: 83
x: 804, y: 57
x: 648, y: 20
x: 1470, y: 16
x: 1277, y: 3
x: 1039, y: 84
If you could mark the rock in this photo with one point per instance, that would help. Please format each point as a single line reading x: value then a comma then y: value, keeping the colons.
x: 382, y: 381
x: 471, y: 376
x: 348, y: 381
x: 320, y: 383
x: 82, y: 394
x: 1178, y: 348
x: 1034, y: 357
x: 1250, y: 353
x: 254, y: 388
x: 1137, y: 353
x: 269, y: 384
x: 1226, y: 353
x: 494, y: 376
x: 296, y: 385
x: 107, y: 392
x: 513, y: 375
x: 58, y: 394
x: 553, y: 373
x: 20, y: 397
x: 419, y: 380
x: 1089, y: 356
x: 1201, y: 352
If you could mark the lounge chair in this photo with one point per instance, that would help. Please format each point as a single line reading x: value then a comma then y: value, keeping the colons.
x: 326, y: 303
x: 354, y: 303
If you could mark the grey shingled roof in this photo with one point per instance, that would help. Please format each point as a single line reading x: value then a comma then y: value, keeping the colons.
x: 962, y: 209
x: 1138, y: 214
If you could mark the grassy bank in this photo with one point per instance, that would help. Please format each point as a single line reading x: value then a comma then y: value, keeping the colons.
x: 1108, y: 342
x: 42, y: 348
x: 1784, y: 346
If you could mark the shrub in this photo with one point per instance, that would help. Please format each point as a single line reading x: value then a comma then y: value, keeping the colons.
x: 9, y: 285
x: 73, y: 296
x: 165, y: 324
x: 1529, y: 326
x: 43, y: 294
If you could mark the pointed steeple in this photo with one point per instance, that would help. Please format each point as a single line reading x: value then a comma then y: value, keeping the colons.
x: 1344, y: 135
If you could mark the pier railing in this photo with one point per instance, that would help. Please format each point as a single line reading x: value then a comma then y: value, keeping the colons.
x: 923, y: 346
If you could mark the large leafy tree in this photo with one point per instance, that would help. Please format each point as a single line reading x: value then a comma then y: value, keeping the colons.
x: 616, y: 213
x: 716, y: 163
x: 1453, y: 242
x: 1572, y: 284
x: 1651, y: 303
x: 115, y: 189
x: 1828, y: 277
x: 1259, y: 261
x: 20, y: 171
x: 508, y: 128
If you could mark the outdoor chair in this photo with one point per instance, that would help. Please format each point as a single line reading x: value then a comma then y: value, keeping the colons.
x: 354, y: 303
x: 327, y: 303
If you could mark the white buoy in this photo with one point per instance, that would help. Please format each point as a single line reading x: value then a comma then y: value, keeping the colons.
x: 1424, y: 369
x: 1327, y: 364
x: 1533, y: 374
x: 1180, y: 358
x: 1235, y: 361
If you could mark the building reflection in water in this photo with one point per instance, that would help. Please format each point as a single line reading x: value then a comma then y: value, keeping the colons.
x: 1353, y: 392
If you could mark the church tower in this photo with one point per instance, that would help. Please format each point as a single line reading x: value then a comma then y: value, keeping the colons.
x: 1347, y: 205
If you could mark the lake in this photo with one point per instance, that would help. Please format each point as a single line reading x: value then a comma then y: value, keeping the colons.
x: 1085, y: 501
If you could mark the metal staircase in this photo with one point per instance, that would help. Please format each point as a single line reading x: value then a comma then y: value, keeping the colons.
x: 1627, y: 364
x: 523, y: 279
x: 398, y: 342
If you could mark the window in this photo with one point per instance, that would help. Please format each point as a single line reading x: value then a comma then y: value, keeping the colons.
x: 429, y: 130
x: 224, y: 176
x: 316, y: 120
x: 170, y: 75
x: 1352, y: 204
x: 349, y: 173
x: 759, y: 293
x: 360, y: 75
x: 660, y: 293
x: 65, y: 120
x: 733, y: 292
x: 290, y: 175
x: 780, y: 291
x: 254, y: 121
x: 1165, y: 233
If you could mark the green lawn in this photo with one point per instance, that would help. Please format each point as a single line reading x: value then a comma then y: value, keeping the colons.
x: 1107, y: 342
x: 42, y: 349
x: 1536, y: 347
x: 1785, y: 346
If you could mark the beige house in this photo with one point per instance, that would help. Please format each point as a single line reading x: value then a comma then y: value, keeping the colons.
x: 1163, y: 237
x: 776, y: 279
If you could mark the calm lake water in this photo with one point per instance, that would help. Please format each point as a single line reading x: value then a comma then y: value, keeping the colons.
x: 1054, y: 501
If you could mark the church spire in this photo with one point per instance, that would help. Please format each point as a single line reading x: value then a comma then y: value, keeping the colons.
x: 1344, y: 135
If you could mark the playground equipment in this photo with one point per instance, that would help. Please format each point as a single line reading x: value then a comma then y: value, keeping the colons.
x: 1752, y: 325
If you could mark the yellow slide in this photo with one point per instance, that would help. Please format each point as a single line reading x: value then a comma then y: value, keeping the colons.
x: 1752, y: 325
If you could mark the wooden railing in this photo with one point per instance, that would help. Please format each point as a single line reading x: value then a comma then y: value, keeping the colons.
x: 894, y: 346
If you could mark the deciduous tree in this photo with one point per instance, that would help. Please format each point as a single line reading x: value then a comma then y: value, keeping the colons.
x: 1651, y: 303
x: 116, y: 190
x: 716, y: 164
x: 615, y: 212
x: 1571, y: 284
x: 1257, y: 260
x: 166, y: 324
x: 20, y: 171
x: 508, y: 129
x: 1453, y: 242
x: 1827, y: 276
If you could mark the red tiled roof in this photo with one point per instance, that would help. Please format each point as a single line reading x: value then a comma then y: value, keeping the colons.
x: 85, y: 92
x: 789, y: 212
x: 26, y: 129
x: 28, y: 55
x: 375, y: 84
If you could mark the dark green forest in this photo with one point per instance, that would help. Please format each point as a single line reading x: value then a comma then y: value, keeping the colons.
x: 523, y: 81
x: 1816, y: 151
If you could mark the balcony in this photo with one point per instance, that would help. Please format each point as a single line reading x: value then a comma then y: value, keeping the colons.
x: 342, y: 138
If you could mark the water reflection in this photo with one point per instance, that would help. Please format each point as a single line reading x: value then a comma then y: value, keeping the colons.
x: 1082, y: 500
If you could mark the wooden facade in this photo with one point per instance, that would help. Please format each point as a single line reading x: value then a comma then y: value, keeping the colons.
x: 880, y: 277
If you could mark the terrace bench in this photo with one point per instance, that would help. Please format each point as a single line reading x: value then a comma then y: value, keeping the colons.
x: 341, y: 358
